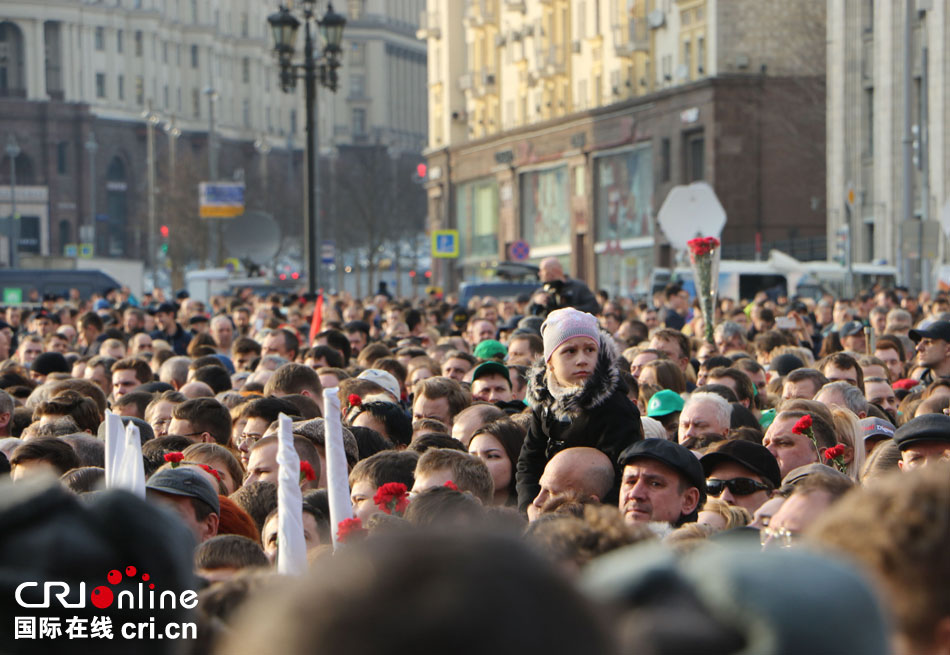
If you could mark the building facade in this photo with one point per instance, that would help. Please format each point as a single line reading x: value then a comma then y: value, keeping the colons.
x: 866, y: 133
x: 565, y: 124
x: 80, y: 80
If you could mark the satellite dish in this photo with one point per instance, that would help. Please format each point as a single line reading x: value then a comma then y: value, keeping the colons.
x: 254, y: 235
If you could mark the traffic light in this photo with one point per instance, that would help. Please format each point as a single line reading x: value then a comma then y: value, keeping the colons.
x: 420, y: 175
x: 412, y: 274
x: 163, y: 230
x: 428, y: 275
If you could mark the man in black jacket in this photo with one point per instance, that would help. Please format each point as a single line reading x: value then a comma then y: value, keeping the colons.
x: 169, y: 329
x: 559, y: 291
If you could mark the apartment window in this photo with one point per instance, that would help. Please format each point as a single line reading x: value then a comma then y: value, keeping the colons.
x: 194, y: 11
x: 246, y: 70
x: 357, y: 86
x: 868, y: 16
x: 100, y: 39
x: 196, y: 103
x: 665, y: 156
x: 165, y: 96
x: 694, y: 144
x: 688, y: 58
x: 62, y: 149
x: 100, y: 85
x: 581, y: 20
x: 358, y: 53
x: 119, y: 41
x: 359, y: 121
x: 355, y: 8
x: 686, y: 17
x: 121, y: 87
x: 194, y: 56
x: 701, y: 55
x: 140, y: 90
x: 245, y: 25
x: 139, y: 47
x: 869, y: 122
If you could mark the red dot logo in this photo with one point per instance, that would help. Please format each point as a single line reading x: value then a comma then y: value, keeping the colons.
x: 145, y: 577
x: 151, y: 586
x: 101, y: 597
x: 130, y: 571
x: 114, y: 577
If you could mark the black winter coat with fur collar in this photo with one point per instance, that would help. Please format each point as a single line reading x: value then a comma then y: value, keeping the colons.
x: 597, y: 415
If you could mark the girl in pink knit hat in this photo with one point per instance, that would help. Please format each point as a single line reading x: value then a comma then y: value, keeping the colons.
x: 577, y: 399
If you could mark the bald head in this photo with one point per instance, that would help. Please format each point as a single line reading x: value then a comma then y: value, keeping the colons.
x: 197, y: 390
x: 550, y: 270
x: 586, y: 472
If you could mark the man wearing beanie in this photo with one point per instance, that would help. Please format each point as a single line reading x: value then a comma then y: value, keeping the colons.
x: 577, y: 399
x: 47, y: 363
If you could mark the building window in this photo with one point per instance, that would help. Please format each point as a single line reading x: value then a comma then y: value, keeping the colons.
x: 139, y: 90
x: 246, y: 70
x: 194, y: 11
x: 164, y: 52
x: 357, y: 86
x: 139, y: 47
x: 165, y: 96
x: 358, y: 53
x: 100, y: 39
x: 688, y: 58
x: 62, y: 148
x: 355, y: 8
x: 700, y: 55
x: 247, y: 113
x: 869, y: 122
x: 359, y: 122
x: 100, y: 85
x: 118, y: 41
x: 293, y: 121
x: 694, y: 144
x: 121, y: 87
x: 194, y: 56
x: 665, y: 156
x: 245, y: 25
x: 195, y: 103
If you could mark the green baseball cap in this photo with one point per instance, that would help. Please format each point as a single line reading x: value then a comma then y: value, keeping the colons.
x: 490, y: 349
x: 491, y: 368
x: 664, y: 402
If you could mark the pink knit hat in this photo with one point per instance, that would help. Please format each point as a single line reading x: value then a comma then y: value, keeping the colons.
x: 564, y: 324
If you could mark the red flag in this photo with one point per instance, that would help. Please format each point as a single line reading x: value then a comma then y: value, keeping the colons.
x: 317, y: 320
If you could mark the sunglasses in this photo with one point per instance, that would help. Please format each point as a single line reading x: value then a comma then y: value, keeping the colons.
x: 737, y: 486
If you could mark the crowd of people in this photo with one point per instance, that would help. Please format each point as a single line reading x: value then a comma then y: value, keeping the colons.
x: 522, y: 480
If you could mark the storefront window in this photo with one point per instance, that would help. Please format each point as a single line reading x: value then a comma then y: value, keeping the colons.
x: 545, y: 213
x: 624, y: 203
x: 625, y: 273
x: 477, y: 217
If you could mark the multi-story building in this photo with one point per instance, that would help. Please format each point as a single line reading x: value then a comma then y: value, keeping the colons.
x: 866, y: 132
x: 566, y: 122
x: 79, y: 79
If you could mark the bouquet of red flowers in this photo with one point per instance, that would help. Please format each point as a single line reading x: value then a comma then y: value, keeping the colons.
x: 803, y: 426
x: 392, y: 498
x: 307, y: 472
x: 704, y: 259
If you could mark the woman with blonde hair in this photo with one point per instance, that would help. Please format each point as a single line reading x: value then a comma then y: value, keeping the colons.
x: 719, y: 515
x: 850, y: 434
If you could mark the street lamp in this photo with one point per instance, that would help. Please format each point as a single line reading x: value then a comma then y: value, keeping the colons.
x: 88, y: 234
x: 151, y: 122
x: 313, y: 69
x: 13, y: 151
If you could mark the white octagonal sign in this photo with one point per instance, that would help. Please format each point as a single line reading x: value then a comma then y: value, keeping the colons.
x: 689, y: 212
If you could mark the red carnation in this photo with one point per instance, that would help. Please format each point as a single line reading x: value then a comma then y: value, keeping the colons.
x: 905, y: 384
x: 451, y: 485
x: 354, y: 400
x: 803, y: 425
x: 212, y: 471
x: 174, y: 458
x: 834, y: 451
x: 306, y: 472
x: 349, y: 528
x: 392, y: 498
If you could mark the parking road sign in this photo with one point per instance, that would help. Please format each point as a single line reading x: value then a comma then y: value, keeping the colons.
x: 445, y: 244
x: 519, y: 251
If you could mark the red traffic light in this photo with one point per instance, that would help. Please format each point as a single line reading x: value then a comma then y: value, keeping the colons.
x: 295, y: 275
x: 421, y: 170
x: 283, y: 276
x: 163, y: 230
x: 428, y: 274
x: 412, y: 273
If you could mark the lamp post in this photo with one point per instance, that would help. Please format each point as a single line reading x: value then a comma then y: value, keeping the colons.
x: 13, y: 151
x: 151, y: 121
x: 263, y: 148
x: 92, y: 147
x: 312, y: 70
